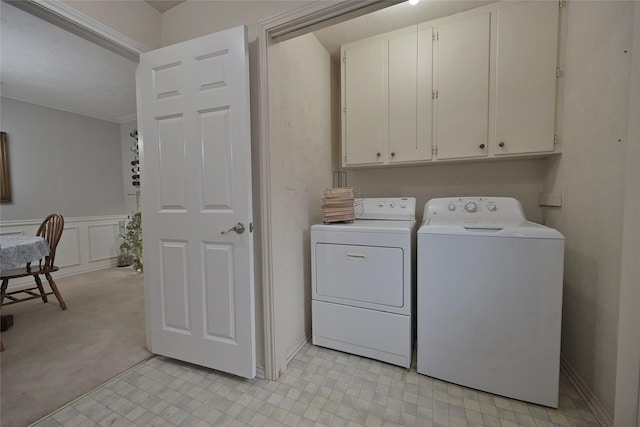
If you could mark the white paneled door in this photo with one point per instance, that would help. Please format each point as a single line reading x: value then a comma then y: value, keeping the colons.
x: 194, y: 127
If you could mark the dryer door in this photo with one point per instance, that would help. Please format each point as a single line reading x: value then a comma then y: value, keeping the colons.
x: 363, y: 276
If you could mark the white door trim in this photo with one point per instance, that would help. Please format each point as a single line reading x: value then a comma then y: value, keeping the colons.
x: 627, y: 397
x: 294, y: 22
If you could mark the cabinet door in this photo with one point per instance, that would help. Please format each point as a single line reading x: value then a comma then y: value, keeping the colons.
x: 409, y: 81
x: 527, y: 52
x: 425, y: 90
x: 462, y: 105
x: 365, y: 103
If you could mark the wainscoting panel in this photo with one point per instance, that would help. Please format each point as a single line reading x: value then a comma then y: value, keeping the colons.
x: 87, y: 243
x: 103, y: 241
x: 68, y: 252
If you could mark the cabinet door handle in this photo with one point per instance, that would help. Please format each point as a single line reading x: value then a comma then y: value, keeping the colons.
x: 482, y: 146
x: 378, y: 154
x: 393, y: 154
x: 501, y: 143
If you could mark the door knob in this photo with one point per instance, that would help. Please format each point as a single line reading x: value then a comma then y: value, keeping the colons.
x: 238, y: 228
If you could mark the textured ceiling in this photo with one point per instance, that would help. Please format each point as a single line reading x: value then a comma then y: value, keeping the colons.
x: 46, y: 65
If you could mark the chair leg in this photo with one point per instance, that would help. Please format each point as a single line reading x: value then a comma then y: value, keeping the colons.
x: 40, y: 287
x: 3, y: 290
x: 55, y: 290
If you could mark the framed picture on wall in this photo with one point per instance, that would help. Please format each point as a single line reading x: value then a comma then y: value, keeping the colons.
x: 5, y: 177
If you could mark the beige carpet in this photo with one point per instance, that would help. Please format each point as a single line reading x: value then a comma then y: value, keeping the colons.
x: 54, y: 356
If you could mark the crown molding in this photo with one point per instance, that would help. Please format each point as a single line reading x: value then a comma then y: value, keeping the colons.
x: 127, y: 118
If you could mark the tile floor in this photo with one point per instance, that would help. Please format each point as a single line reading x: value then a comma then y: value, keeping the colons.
x: 321, y: 388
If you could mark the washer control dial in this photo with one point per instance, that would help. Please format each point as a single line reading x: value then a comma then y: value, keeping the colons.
x: 492, y: 207
x: 471, y: 207
x: 452, y: 207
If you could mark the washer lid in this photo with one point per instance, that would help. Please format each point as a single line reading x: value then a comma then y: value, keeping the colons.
x: 522, y: 229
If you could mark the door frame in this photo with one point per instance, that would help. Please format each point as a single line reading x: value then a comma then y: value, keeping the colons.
x: 292, y: 23
x: 627, y: 396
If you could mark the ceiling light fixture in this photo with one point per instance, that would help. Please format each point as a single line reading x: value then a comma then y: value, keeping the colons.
x: 413, y: 2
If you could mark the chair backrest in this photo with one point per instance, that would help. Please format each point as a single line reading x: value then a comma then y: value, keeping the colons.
x: 51, y: 230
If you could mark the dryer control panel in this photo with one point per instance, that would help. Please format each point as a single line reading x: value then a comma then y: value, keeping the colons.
x: 389, y: 208
x: 474, y: 208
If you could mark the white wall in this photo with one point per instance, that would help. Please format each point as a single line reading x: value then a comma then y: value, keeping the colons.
x: 590, y: 174
x: 522, y: 179
x: 301, y: 150
x: 197, y: 18
x: 61, y: 162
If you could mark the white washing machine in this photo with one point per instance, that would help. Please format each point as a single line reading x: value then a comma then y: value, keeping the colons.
x: 362, y: 279
x: 489, y: 294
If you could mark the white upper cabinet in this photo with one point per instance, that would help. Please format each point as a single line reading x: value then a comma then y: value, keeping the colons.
x: 410, y: 77
x: 477, y: 85
x: 525, y: 90
x: 384, y: 118
x: 364, y: 102
x: 462, y: 100
x: 402, y: 88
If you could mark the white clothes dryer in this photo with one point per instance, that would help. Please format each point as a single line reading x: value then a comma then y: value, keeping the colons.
x: 362, y: 275
x: 489, y: 294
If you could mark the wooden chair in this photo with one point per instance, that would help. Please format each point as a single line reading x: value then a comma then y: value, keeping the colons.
x: 51, y: 230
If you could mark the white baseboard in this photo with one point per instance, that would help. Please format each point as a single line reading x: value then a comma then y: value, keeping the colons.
x: 596, y: 406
